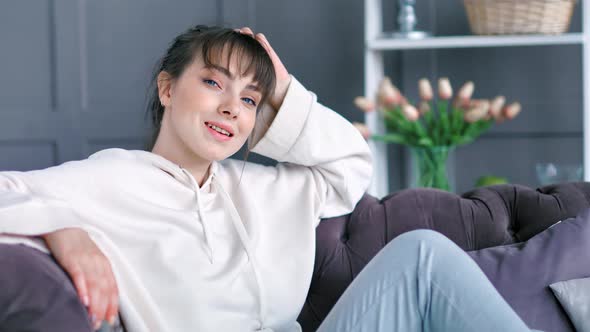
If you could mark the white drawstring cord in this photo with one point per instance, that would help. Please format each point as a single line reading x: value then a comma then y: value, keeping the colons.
x: 239, y: 227
x: 206, y: 231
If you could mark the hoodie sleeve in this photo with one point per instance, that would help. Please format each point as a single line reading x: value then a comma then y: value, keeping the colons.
x: 31, y: 203
x: 306, y: 133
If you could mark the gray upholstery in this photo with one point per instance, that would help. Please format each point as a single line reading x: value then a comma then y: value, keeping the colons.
x: 574, y: 296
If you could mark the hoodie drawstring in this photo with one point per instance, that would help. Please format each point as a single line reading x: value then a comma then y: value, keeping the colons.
x: 206, y: 231
x: 239, y: 227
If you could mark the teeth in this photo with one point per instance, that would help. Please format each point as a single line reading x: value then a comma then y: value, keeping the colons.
x: 219, y: 130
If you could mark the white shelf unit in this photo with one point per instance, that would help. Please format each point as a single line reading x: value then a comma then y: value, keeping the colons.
x: 376, y: 45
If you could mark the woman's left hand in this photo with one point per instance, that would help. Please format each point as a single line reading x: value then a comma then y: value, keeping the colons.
x: 283, y: 77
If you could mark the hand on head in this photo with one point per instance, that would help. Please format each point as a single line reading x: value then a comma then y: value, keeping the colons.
x: 282, y: 75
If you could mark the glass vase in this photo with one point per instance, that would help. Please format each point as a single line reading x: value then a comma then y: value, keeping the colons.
x: 430, y: 167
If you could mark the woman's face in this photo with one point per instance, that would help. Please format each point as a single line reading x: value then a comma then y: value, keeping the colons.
x: 209, y: 112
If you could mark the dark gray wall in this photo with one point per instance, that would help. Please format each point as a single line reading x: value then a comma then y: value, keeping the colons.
x: 75, y: 75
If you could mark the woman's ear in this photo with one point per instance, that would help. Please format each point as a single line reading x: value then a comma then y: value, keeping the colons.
x: 164, y: 86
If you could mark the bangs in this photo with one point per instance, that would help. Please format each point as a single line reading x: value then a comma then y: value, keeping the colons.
x: 248, y: 55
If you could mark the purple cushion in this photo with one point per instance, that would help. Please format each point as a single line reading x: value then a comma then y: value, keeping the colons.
x: 522, y: 272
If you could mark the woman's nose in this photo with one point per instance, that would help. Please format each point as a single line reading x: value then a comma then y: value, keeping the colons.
x: 230, y: 107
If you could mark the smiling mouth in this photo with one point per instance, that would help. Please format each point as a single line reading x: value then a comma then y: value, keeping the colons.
x: 219, y: 130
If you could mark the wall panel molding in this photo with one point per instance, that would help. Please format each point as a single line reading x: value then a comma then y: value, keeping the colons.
x: 27, y: 154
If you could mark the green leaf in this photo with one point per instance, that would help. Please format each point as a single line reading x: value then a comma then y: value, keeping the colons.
x: 490, y: 180
x: 425, y: 141
x: 391, y: 138
x: 479, y: 127
x: 457, y: 121
x: 455, y: 139
x: 420, y: 131
x: 465, y: 140
x: 443, y: 116
x: 445, y: 127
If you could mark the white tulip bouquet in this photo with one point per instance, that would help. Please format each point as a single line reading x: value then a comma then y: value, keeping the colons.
x: 432, y: 127
x: 442, y: 122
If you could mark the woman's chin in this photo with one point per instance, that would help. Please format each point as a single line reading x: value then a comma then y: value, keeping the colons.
x: 213, y: 152
x: 218, y: 156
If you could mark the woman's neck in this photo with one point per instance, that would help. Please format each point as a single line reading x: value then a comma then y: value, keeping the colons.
x: 183, y: 157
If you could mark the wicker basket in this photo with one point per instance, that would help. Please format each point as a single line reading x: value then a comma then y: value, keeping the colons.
x: 493, y: 17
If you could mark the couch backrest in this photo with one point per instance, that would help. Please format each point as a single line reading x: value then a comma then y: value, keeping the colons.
x: 481, y: 218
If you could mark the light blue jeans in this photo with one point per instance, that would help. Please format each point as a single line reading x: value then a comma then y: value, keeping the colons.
x: 422, y: 281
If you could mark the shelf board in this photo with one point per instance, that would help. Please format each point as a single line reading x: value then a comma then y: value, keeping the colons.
x: 384, y: 43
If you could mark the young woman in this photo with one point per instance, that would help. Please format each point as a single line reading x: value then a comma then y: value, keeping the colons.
x: 181, y: 238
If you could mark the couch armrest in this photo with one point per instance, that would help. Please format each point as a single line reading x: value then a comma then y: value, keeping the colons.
x: 37, y: 295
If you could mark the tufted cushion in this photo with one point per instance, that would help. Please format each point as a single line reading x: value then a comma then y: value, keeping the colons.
x: 481, y: 218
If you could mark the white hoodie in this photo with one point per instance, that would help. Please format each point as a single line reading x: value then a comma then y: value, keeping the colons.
x: 236, y: 254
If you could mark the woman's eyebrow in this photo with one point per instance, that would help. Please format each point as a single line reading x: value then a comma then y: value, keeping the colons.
x: 227, y: 73
x: 253, y: 87
x: 222, y: 70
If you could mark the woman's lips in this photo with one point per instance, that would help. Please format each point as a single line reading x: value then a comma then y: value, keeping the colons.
x: 225, y: 127
x: 217, y: 135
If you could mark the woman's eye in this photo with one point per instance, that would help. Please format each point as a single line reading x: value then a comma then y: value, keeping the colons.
x: 249, y: 101
x: 211, y: 82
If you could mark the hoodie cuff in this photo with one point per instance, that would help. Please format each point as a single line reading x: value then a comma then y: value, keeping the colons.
x: 287, y: 125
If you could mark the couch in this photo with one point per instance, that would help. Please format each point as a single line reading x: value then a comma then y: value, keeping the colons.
x: 488, y: 217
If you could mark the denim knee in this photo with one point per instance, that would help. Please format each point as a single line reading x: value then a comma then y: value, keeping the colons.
x: 425, y: 238
x: 427, y: 235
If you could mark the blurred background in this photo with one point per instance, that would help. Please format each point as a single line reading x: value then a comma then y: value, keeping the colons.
x: 75, y: 73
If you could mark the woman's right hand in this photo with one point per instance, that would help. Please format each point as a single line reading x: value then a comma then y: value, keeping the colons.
x: 90, y: 271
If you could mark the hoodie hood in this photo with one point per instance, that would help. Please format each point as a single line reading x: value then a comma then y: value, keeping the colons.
x: 177, y: 171
x: 203, y: 194
x: 209, y: 189
x: 207, y: 192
